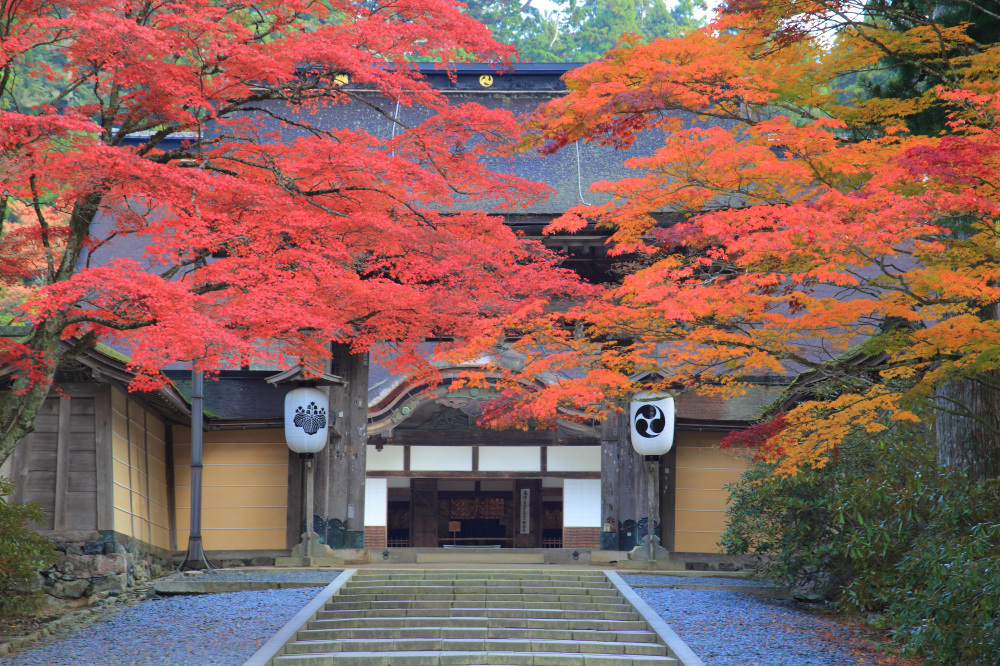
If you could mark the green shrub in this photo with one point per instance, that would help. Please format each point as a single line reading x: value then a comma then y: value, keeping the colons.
x: 814, y: 530
x: 882, y: 530
x: 22, y: 552
x: 942, y: 597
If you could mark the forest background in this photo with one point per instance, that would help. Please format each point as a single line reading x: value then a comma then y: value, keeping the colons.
x: 581, y: 30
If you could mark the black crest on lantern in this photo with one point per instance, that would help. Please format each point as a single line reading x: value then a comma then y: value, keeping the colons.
x: 310, y: 418
x: 649, y: 421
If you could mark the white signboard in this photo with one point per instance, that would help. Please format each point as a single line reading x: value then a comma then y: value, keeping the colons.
x: 525, y: 510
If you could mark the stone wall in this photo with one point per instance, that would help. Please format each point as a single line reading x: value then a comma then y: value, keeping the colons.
x: 111, y: 564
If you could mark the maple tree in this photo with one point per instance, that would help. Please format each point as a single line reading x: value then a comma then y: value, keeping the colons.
x: 787, y: 225
x: 176, y: 187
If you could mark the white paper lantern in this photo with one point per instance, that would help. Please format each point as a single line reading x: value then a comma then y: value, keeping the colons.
x: 307, y: 420
x: 652, y: 420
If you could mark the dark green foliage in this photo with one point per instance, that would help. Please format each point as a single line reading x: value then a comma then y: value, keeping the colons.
x: 884, y: 531
x: 912, y: 78
x: 593, y: 28
x: 942, y: 598
x: 580, y: 30
x: 22, y: 552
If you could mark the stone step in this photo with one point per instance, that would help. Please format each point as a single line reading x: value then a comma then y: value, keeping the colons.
x: 455, y: 658
x: 628, y: 636
x: 476, y: 618
x: 556, y: 594
x: 424, y: 580
x: 351, y: 622
x: 473, y: 583
x: 473, y: 574
x: 474, y: 645
x: 485, y: 611
x: 481, y: 581
x: 569, y: 606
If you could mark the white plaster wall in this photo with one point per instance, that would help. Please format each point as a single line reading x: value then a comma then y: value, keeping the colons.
x: 573, y: 458
x: 443, y: 458
x: 582, y: 503
x: 510, y: 458
x: 389, y: 459
x: 376, y: 503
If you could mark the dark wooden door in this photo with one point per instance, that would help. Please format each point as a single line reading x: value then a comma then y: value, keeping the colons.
x: 423, y: 521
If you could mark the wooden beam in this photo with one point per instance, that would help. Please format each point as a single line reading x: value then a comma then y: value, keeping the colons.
x: 480, y: 475
x: 484, y: 438
x: 105, y: 463
x: 171, y: 487
x: 62, y: 464
x: 80, y: 390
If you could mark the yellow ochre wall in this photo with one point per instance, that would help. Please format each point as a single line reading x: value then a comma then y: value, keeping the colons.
x: 139, y: 451
x: 244, y: 489
x: 702, y: 471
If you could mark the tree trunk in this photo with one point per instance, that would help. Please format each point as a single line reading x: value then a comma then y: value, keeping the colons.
x: 27, y: 393
x: 967, y: 426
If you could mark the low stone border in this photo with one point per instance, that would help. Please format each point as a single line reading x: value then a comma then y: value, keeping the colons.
x: 275, y: 646
x: 220, y: 586
x: 45, y: 631
x: 676, y: 647
x: 692, y: 573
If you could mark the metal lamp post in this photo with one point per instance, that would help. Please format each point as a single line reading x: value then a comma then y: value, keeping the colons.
x: 195, y: 557
x: 652, y: 425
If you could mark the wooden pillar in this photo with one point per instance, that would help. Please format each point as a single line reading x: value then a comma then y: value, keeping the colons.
x: 340, y: 469
x: 668, y: 495
x: 624, y: 484
x: 424, y: 513
x: 296, y: 488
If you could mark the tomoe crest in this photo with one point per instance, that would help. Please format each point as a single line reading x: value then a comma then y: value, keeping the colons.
x: 649, y: 421
x: 310, y: 418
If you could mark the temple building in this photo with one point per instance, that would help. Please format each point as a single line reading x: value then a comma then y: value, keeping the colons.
x: 409, y: 471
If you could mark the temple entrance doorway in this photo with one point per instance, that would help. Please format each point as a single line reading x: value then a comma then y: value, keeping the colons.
x: 475, y: 513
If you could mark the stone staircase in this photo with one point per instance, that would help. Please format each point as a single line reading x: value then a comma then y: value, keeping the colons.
x: 416, y: 617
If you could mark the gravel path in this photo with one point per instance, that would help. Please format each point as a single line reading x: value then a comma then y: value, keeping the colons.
x: 734, y: 629
x: 205, y: 630
x: 641, y: 579
x: 723, y: 628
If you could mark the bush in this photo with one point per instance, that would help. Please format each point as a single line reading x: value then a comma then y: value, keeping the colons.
x: 882, y: 530
x: 942, y: 597
x: 22, y: 552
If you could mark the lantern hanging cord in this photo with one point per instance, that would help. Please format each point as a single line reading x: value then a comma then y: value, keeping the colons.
x: 579, y: 176
x: 395, y: 122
